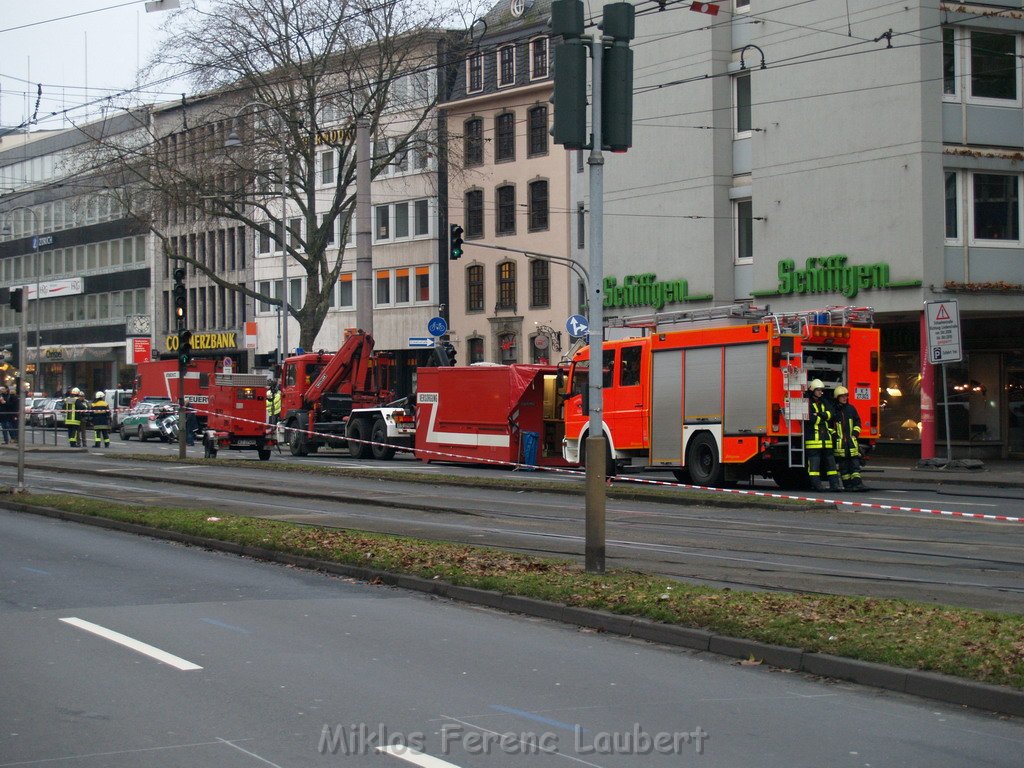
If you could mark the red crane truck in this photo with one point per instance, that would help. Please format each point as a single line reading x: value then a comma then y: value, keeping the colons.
x: 344, y: 399
x: 724, y: 402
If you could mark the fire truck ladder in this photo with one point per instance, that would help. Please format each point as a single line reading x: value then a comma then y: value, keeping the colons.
x: 743, y: 310
x: 797, y: 322
x: 796, y: 455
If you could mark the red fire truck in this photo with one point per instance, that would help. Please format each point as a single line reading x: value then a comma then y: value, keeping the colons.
x: 724, y: 402
x: 503, y: 413
x: 159, y: 379
x: 236, y: 415
x: 326, y: 399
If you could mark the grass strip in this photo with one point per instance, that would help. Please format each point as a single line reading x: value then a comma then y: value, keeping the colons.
x: 978, y: 645
x: 623, y: 491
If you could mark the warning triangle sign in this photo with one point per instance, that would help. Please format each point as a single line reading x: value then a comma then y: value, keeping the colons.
x: 942, y: 314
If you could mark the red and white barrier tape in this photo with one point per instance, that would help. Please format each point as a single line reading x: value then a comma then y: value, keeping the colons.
x: 462, y: 458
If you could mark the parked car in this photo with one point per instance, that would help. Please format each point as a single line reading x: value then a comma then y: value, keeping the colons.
x: 34, y: 411
x: 50, y: 413
x: 142, y: 421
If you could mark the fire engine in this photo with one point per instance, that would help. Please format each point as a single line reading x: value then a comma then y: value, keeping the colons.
x: 720, y: 402
x: 328, y: 399
x: 236, y: 415
x: 159, y: 379
x: 503, y: 413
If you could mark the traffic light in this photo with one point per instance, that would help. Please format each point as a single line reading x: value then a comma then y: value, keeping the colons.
x: 449, y: 350
x: 179, y: 297
x: 455, y: 242
x: 569, y: 97
x: 18, y: 299
x: 184, y: 346
x: 619, y: 23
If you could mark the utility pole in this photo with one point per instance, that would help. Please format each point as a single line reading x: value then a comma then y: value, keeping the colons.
x: 364, y: 253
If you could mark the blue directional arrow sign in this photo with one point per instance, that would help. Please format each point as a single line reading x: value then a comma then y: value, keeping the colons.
x: 437, y: 326
x: 420, y: 341
x: 577, y: 326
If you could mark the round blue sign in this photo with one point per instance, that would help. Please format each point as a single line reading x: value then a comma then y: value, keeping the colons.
x: 437, y: 326
x: 577, y: 326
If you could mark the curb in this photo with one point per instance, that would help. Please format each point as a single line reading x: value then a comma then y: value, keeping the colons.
x: 929, y: 685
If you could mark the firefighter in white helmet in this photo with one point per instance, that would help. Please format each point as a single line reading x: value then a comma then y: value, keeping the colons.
x: 818, y: 443
x: 847, y: 440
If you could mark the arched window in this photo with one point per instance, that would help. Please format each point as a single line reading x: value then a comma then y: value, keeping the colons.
x: 540, y: 284
x: 475, y: 288
x: 473, y: 142
x: 507, y: 285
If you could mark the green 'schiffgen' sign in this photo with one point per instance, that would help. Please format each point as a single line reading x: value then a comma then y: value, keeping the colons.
x: 647, y: 290
x: 831, y: 274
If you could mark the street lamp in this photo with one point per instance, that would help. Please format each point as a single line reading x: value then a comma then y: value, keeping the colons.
x: 234, y: 140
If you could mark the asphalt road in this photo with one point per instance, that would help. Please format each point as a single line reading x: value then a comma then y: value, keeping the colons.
x: 871, y: 552
x: 263, y: 658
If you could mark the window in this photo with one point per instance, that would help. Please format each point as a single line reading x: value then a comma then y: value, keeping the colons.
x: 538, y: 131
x: 264, y: 246
x: 996, y: 208
x: 294, y: 232
x: 345, y: 290
x: 475, y: 213
x: 383, y: 282
x: 401, y: 219
x: 505, y: 137
x: 401, y: 286
x: 506, y: 65
x: 509, y: 350
x: 629, y: 366
x: 538, y: 58
x: 422, y: 217
x: 507, y: 285
x: 422, y: 284
x: 952, y: 212
x: 421, y: 151
x: 383, y: 222
x: 327, y: 167
x: 264, y: 288
x: 475, y: 73
x: 742, y: 5
x: 476, y: 350
x: 473, y: 142
x: 741, y: 84
x: 506, y: 224
x: 948, y: 62
x: 743, y: 211
x: 295, y: 297
x: 993, y: 65
x: 540, y: 284
x: 538, y: 205
x: 475, y: 288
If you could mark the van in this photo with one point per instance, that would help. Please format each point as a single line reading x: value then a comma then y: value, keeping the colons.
x: 119, y: 401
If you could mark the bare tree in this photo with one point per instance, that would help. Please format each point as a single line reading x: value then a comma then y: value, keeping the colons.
x: 285, y: 80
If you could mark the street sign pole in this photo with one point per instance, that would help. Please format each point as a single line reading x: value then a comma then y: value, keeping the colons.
x: 944, y: 347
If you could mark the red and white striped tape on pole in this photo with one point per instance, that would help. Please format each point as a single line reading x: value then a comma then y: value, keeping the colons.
x: 644, y: 481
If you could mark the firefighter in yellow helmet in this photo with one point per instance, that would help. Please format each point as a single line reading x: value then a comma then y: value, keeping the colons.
x: 818, y: 443
x: 74, y: 410
x: 847, y: 440
x: 100, y: 421
x: 273, y: 402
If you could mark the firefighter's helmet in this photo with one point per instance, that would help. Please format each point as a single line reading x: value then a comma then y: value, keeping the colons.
x: 816, y: 384
x: 76, y: 391
x: 841, y: 390
x: 100, y: 395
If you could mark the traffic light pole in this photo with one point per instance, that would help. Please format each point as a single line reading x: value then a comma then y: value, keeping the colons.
x: 596, y: 450
x: 19, y: 384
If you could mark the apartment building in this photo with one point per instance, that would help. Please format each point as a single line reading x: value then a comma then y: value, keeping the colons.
x: 509, y: 188
x: 813, y: 154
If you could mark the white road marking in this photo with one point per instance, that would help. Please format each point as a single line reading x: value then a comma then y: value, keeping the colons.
x: 135, y: 645
x: 247, y: 752
x: 410, y: 755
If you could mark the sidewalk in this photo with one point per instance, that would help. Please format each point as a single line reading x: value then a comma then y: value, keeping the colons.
x: 1004, y: 473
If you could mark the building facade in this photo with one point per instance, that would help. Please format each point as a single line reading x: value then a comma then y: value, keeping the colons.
x: 809, y: 155
x: 509, y: 189
x: 66, y: 239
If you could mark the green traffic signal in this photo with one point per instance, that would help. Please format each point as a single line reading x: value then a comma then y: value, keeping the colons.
x: 455, y: 242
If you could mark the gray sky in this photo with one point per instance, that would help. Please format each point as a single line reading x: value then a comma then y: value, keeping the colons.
x: 100, y: 49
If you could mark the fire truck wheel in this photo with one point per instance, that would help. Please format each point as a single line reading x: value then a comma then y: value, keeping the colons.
x: 297, y: 445
x: 703, y: 462
x: 358, y: 430
x: 609, y: 463
x: 263, y: 453
x: 379, y: 436
x: 682, y: 476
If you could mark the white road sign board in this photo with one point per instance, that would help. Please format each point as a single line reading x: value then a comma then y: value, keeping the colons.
x: 943, y: 332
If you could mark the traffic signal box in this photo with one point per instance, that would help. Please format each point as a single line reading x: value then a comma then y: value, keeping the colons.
x: 455, y: 242
x: 569, y: 126
x: 180, y: 317
x: 17, y: 299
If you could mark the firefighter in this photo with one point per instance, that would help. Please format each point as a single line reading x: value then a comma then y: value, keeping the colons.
x: 847, y: 440
x: 100, y: 421
x: 273, y: 402
x: 74, y: 406
x: 818, y: 443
